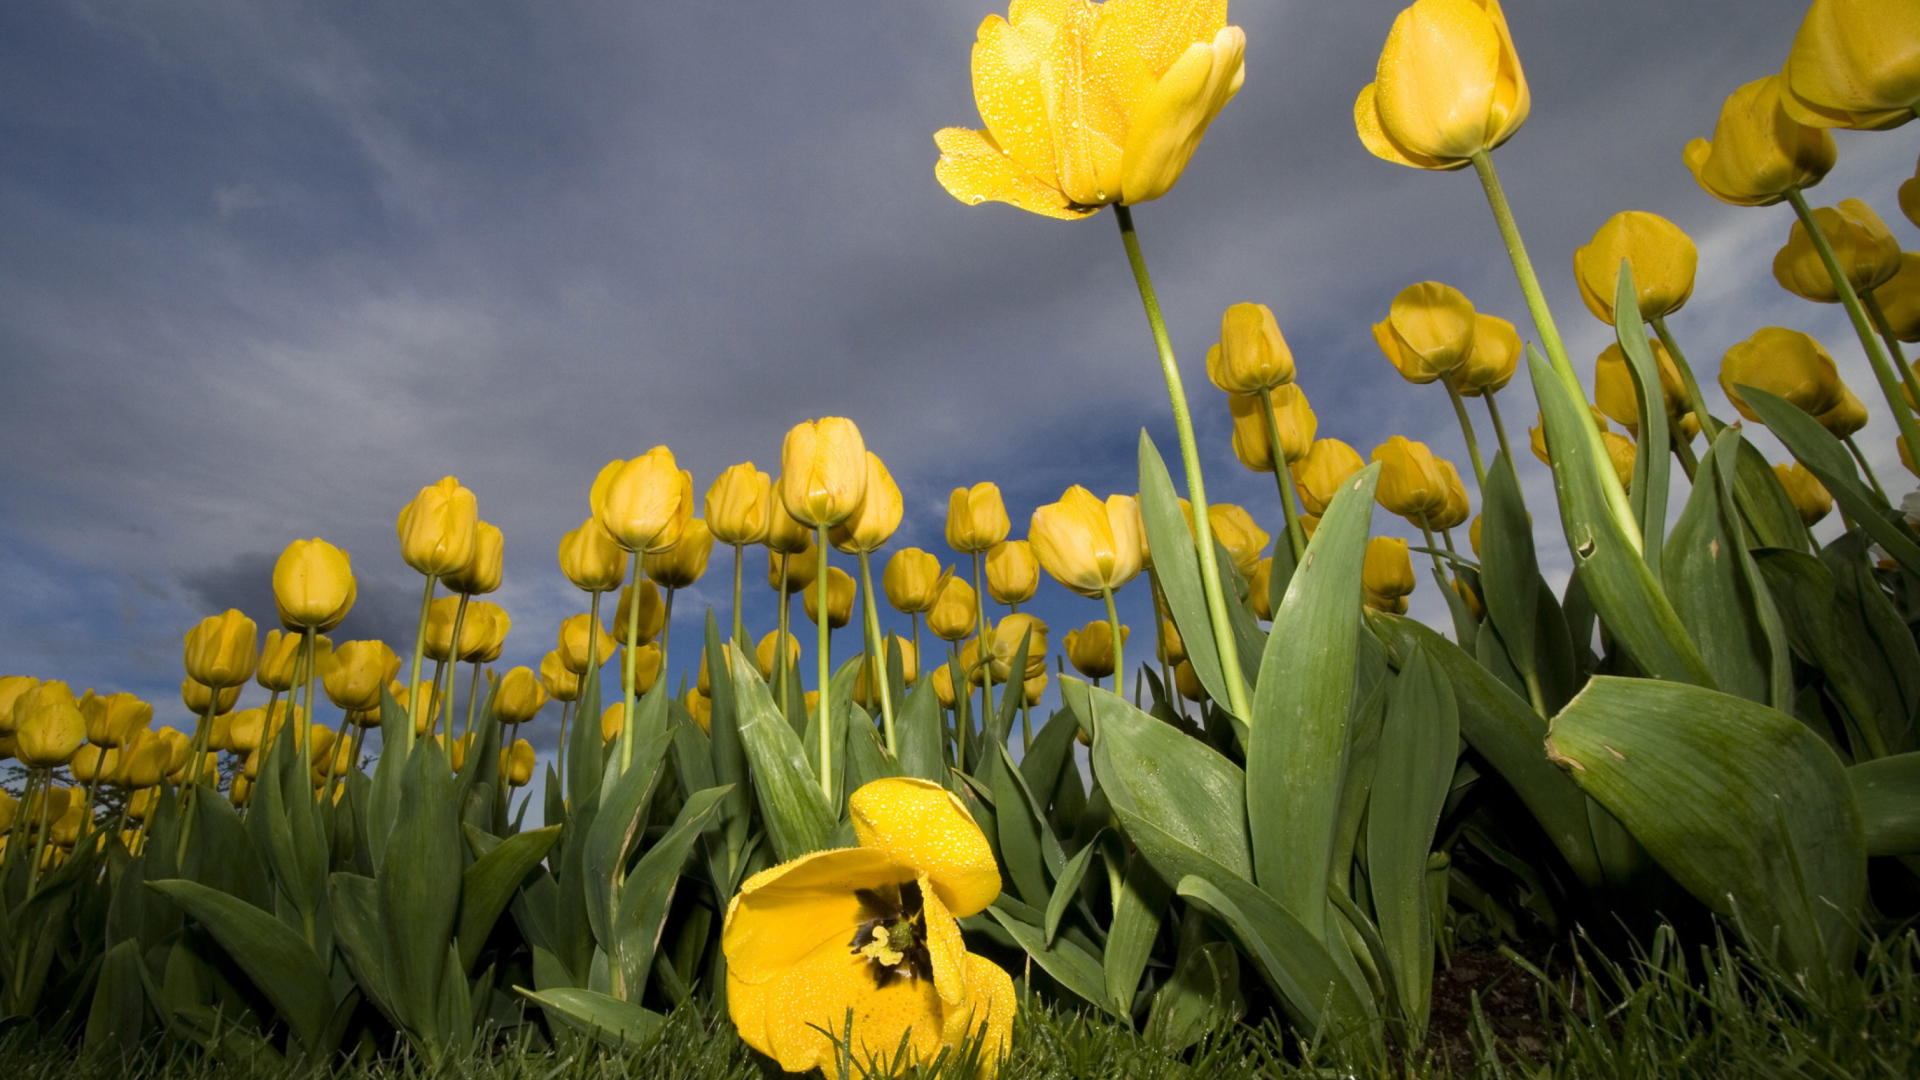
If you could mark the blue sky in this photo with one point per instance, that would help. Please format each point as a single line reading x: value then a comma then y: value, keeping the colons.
x: 267, y: 268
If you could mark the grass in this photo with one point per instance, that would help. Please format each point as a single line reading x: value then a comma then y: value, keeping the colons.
x: 1714, y: 1014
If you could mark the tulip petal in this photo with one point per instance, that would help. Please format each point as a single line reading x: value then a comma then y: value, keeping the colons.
x: 1157, y: 31
x: 990, y: 1004
x: 1170, y: 123
x: 1366, y: 121
x: 946, y: 950
x: 1511, y: 100
x: 816, y: 996
x: 783, y: 914
x: 1007, y: 90
x: 1436, y: 78
x: 1855, y: 64
x: 920, y: 824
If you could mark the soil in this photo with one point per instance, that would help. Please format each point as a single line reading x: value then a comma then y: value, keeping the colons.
x: 1509, y: 998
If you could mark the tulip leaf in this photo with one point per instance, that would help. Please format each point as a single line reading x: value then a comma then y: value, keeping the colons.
x: 1767, y: 510
x: 1510, y: 570
x: 615, y: 1024
x: 119, y: 1001
x: 1202, y: 996
x: 1070, y: 965
x: 1653, y: 462
x: 1710, y: 591
x: 921, y: 732
x: 1827, y: 634
x: 729, y: 757
x: 647, y: 891
x: 1745, y: 807
x: 1176, y: 564
x: 1065, y: 889
x: 1138, y: 910
x: 1297, y: 750
x: 419, y: 887
x: 282, y: 965
x: 586, y: 750
x: 624, y: 799
x: 1027, y: 844
x: 795, y: 810
x: 1888, y: 791
x: 1622, y: 589
x: 490, y: 882
x: 355, y: 906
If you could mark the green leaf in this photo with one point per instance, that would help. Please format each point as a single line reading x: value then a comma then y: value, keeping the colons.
x: 355, y: 906
x: 615, y: 1024
x: 1065, y: 889
x: 490, y: 882
x: 282, y: 965
x: 586, y: 752
x: 646, y: 892
x: 1888, y: 791
x: 1203, y: 995
x: 1068, y: 963
x: 1765, y: 506
x: 1746, y: 808
x: 1138, y: 910
x: 1297, y: 750
x: 617, y: 824
x: 795, y: 810
x: 922, y: 740
x: 1653, y: 465
x: 1176, y: 563
x: 1705, y: 580
x: 419, y: 887
x: 729, y: 756
x: 1510, y: 570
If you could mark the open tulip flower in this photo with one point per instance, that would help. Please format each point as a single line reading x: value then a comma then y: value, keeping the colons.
x: 869, y: 931
x: 1088, y: 104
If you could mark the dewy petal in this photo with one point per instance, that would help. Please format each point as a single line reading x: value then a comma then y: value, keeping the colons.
x: 1086, y: 121
x: 946, y: 950
x: 781, y: 915
x: 1366, y: 121
x: 1158, y: 31
x: 747, y: 1007
x: 974, y: 170
x: 1511, y: 101
x: 1170, y: 123
x: 1435, y: 82
x: 1006, y: 90
x: 990, y: 1004
x: 1123, y: 517
x: 818, y: 993
x: 919, y: 824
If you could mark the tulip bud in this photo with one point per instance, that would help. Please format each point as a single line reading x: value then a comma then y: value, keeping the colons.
x: 784, y: 534
x: 592, y: 559
x: 1318, y: 476
x: 953, y: 615
x: 1251, y: 355
x: 560, y: 682
x: 222, y: 650
x: 864, y: 694
x: 1457, y: 508
x: 49, y: 727
x: 518, y: 697
x: 651, y: 616
x: 1758, y: 151
x: 1854, y: 64
x: 1620, y: 451
x: 1006, y: 639
x: 1234, y: 528
x: 517, y: 762
x: 481, y: 575
x: 1013, y: 573
x: 1809, y: 496
x: 1783, y: 362
x: 1662, y: 257
x: 738, y: 505
x: 1090, y: 648
x: 613, y: 720
x: 976, y: 518
x: 942, y: 678
x: 438, y: 640
x: 682, y: 564
x: 1386, y: 574
x: 1411, y: 483
x: 1292, y: 419
x: 91, y: 763
x: 1448, y: 85
x: 313, y: 585
x: 798, y: 569
x: 111, y: 720
x: 1614, y: 393
x: 1169, y: 647
x: 1187, y: 682
x: 840, y: 590
x: 1491, y: 362
x: 197, y: 696
x: 877, y: 517
x: 912, y: 581
x: 644, y: 504
x: 763, y: 653
x: 1260, y: 589
x: 358, y: 672
x: 490, y: 625
x: 439, y: 528
x: 824, y: 468
x: 12, y: 689
x: 1088, y: 546
x: 280, y: 658
x: 580, y: 634
x: 1865, y: 248
x: 1428, y: 331
x: 220, y: 732
x: 1846, y: 417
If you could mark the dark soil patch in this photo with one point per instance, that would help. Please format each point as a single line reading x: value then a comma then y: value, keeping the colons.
x: 1509, y: 998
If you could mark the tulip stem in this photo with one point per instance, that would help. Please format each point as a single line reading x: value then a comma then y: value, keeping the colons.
x: 1500, y: 432
x: 1880, y: 322
x: 1868, y: 469
x: 627, y: 669
x: 452, y: 664
x: 878, y: 673
x: 780, y: 650
x: 1708, y: 425
x: 39, y: 849
x: 1876, y: 353
x: 981, y: 654
x: 473, y: 687
x: 822, y: 620
x: 190, y: 797
x: 413, y: 686
x: 1119, y: 643
x: 913, y: 617
x: 307, y: 645
x: 1283, y: 479
x: 1610, y: 486
x: 1466, y: 429
x: 1225, y: 646
x: 739, y: 623
x: 1684, y: 451
x: 666, y: 630
x: 566, y: 713
x: 1433, y: 550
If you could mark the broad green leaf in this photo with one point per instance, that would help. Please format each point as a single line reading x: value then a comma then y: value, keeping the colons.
x: 1888, y: 791
x: 490, y: 882
x: 1765, y: 506
x: 1147, y: 768
x: 615, y: 1024
x: 1019, y: 830
x: 355, y: 906
x: 281, y: 965
x: 586, y: 753
x: 1203, y: 995
x: 1065, y: 889
x: 1746, y: 808
x: 1889, y: 646
x: 1176, y: 563
x: 1709, y: 591
x: 919, y: 728
x: 1138, y: 909
x: 1653, y: 466
x: 794, y: 809
x: 729, y: 757
x: 118, y: 1010
x: 646, y: 892
x: 1510, y: 571
x: 1297, y: 748
x: 1827, y: 635
x: 419, y: 887
x: 1068, y: 963
x: 624, y: 799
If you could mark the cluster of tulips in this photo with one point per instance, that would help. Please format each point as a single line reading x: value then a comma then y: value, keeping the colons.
x: 1720, y: 717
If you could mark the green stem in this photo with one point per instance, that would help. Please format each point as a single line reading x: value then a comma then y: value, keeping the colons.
x: 190, y: 797
x: 1683, y: 450
x: 632, y: 640
x: 452, y: 665
x: 1610, y: 487
x: 1466, y: 429
x: 1119, y: 644
x: 1433, y: 551
x: 780, y: 641
x: 306, y: 718
x: 1296, y: 533
x: 1880, y: 323
x: 739, y: 623
x: 413, y: 685
x: 566, y: 713
x: 878, y: 673
x: 1882, y: 364
x: 40, y: 847
x: 1708, y: 425
x: 1229, y: 654
x: 473, y: 693
x: 823, y: 619
x: 1868, y: 469
x: 984, y: 652
x: 1500, y: 432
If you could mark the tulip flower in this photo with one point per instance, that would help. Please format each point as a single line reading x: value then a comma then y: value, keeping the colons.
x: 1868, y: 254
x: 792, y: 572
x: 1237, y: 532
x: 481, y: 575
x: 1491, y: 362
x: 1187, y: 682
x: 279, y: 654
x: 91, y: 764
x: 912, y: 581
x: 1854, y: 64
x: 439, y: 529
x: 645, y: 503
x: 1614, y: 393
x: 1620, y: 453
x: 1428, y: 330
x: 785, y: 536
x: 1411, y: 483
x: 1783, y: 362
x: 874, y: 520
x: 579, y: 634
x: 1090, y: 547
x: 1448, y: 86
x: 1292, y: 418
x: 12, y: 689
x: 358, y: 672
x: 1386, y: 573
x: 1846, y: 417
x: 198, y: 696
x: 560, y: 682
x: 517, y: 762
x: 1007, y: 635
x: 1090, y: 649
x: 840, y: 596
x: 1260, y: 590
x: 865, y: 689
x: 1910, y: 196
x: 490, y: 625
x: 222, y: 650
x: 1318, y: 476
x: 111, y: 719
x: 651, y: 617
x: 592, y: 559
x: 1809, y: 496
x: 976, y: 519
x: 763, y: 653
x: 739, y: 504
x: 685, y: 562
x: 49, y: 726
x: 1087, y: 104
x: 1168, y: 646
x: 313, y: 586
x: 1013, y: 573
x: 1251, y: 356
x: 1457, y: 509
x: 954, y: 615
x: 823, y: 465
x: 1662, y: 257
x: 1899, y: 299
x: 1758, y: 151
x: 942, y: 679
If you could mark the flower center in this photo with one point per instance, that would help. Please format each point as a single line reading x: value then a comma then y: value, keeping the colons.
x: 892, y: 935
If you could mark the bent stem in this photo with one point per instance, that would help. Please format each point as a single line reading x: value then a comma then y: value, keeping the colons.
x: 1283, y: 479
x: 1708, y: 425
x: 1466, y: 429
x: 1196, y: 484
x: 823, y: 624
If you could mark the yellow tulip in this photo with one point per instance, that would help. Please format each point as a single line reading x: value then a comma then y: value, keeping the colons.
x: 1251, y: 355
x: 1013, y: 573
x: 438, y: 644
x: 863, y: 692
x: 1868, y: 254
x: 1493, y: 359
x: 1087, y: 104
x: 1089, y: 546
x: 1457, y: 509
x: 955, y: 612
x: 682, y: 564
x: 222, y: 650
x: 1845, y: 418
x: 1855, y: 64
x: 1386, y: 573
x: 519, y: 696
x: 491, y: 624
x: 1783, y: 362
x: 280, y: 656
x: 91, y: 763
x: 1411, y: 483
x: 481, y: 575
x: 517, y: 762
x: 1910, y: 196
x: 798, y: 569
x: 1260, y: 590
x: 739, y: 505
x: 942, y: 679
x: 1007, y: 635
x: 1170, y: 648
x: 358, y: 672
x: 651, y: 617
x: 578, y: 634
x: 560, y: 681
x: 457, y: 750
x: 1318, y: 476
x: 1620, y: 451
x: 912, y: 581
x: 840, y: 595
x: 868, y: 932
x: 1899, y: 298
x: 823, y: 465
x: 439, y: 528
x: 1663, y: 259
x: 591, y: 558
x: 1906, y: 458
x: 645, y: 503
x: 49, y: 727
x: 1428, y: 330
x: 12, y: 689
x: 613, y: 720
x: 1448, y: 86
x: 873, y: 522
x: 1758, y: 151
x: 785, y: 536
x: 313, y: 585
x: 197, y: 696
x: 112, y: 719
x: 1613, y: 392
x: 976, y: 518
x: 1292, y: 418
x: 1236, y: 531
x: 1809, y: 496
x: 1090, y: 648
x: 763, y: 653
x: 1187, y: 682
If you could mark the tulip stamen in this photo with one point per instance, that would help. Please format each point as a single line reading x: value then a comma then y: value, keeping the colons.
x: 893, y: 936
